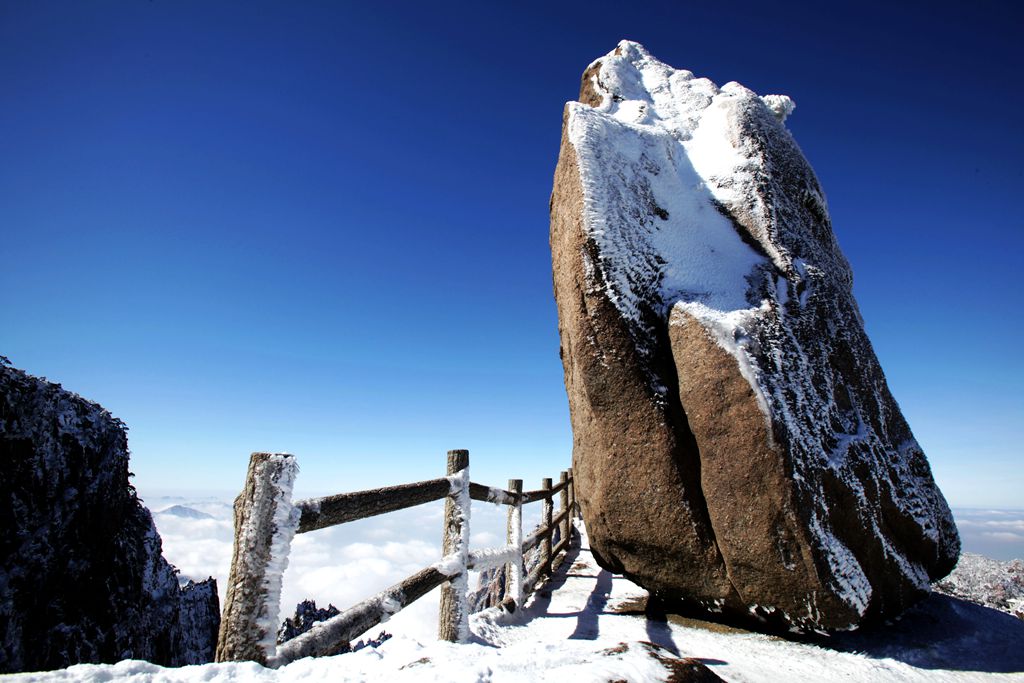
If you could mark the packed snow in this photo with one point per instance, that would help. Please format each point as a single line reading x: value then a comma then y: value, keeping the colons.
x: 589, y: 625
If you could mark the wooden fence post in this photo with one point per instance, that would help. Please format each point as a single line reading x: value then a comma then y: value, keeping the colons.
x: 572, y: 494
x: 545, y: 556
x: 514, y: 538
x: 563, y: 497
x: 265, y: 522
x: 453, y: 613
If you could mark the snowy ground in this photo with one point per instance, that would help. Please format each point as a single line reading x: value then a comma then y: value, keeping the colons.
x: 588, y: 625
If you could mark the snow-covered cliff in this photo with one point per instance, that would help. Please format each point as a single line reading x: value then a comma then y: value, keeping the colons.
x: 82, y: 578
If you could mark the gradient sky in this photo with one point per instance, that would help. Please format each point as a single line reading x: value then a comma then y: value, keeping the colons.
x: 322, y: 227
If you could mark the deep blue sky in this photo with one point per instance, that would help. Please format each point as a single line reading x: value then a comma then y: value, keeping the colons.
x: 322, y: 227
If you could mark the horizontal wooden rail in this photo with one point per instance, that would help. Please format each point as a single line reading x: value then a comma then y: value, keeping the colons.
x: 488, y: 494
x: 491, y: 557
x: 542, y: 494
x: 534, y: 576
x: 534, y: 539
x: 319, y: 513
x: 331, y: 636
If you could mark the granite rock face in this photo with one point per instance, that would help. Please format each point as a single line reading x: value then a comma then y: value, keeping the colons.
x: 735, y: 443
x: 82, y: 578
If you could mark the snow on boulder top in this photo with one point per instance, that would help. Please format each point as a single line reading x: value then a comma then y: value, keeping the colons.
x: 685, y: 247
x: 714, y: 354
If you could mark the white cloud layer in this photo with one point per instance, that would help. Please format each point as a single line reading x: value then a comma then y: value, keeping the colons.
x: 998, y: 534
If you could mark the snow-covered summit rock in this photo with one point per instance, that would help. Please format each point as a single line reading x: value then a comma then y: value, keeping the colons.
x: 735, y: 441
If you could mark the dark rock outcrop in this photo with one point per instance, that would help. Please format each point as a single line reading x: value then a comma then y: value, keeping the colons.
x: 82, y: 578
x: 307, y: 615
x: 735, y: 444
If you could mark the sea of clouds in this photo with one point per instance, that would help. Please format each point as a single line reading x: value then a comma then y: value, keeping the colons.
x: 346, y: 564
x: 998, y: 534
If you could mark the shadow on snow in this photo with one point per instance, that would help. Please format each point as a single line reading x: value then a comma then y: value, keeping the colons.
x: 940, y: 632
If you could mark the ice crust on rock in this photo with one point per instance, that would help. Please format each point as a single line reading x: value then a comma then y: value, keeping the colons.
x: 698, y: 205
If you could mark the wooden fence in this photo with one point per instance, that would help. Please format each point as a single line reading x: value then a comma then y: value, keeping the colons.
x: 266, y: 521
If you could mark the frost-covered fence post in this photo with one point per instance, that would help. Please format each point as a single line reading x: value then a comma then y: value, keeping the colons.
x: 563, y: 498
x: 265, y: 523
x: 545, y: 557
x: 514, y: 537
x: 453, y: 614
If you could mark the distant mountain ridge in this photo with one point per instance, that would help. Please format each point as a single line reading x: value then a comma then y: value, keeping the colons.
x: 185, y: 512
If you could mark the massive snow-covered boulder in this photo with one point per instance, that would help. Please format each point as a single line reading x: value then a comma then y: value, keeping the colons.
x: 82, y: 578
x: 735, y: 446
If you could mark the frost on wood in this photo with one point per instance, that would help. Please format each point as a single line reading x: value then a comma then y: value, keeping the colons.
x: 735, y: 441
x: 485, y: 558
x: 265, y: 523
x: 82, y: 576
x: 453, y: 617
x: 499, y: 497
x: 514, y: 536
x: 285, y: 522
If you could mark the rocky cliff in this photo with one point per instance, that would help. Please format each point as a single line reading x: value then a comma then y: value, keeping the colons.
x: 82, y: 578
x: 736, y: 446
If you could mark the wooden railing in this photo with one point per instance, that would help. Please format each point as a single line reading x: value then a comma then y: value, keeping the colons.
x: 266, y: 520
